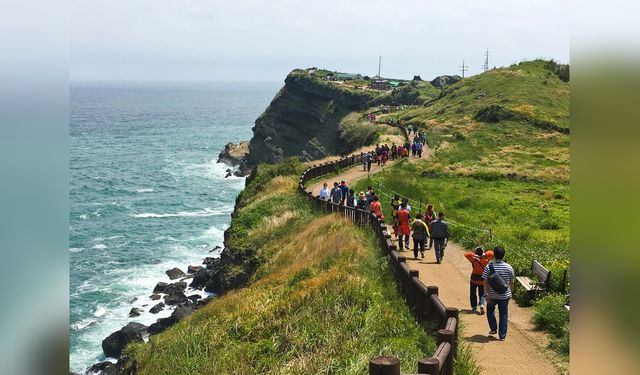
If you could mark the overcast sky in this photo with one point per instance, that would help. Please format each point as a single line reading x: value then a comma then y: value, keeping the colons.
x: 263, y: 40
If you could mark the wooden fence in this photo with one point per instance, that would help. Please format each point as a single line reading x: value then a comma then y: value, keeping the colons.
x: 423, y: 300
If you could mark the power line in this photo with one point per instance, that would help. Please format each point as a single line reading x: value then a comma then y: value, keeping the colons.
x: 463, y: 68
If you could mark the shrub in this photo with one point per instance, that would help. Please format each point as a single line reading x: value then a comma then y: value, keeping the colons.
x: 549, y: 314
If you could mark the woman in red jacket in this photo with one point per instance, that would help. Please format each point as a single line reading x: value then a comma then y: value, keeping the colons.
x: 479, y: 260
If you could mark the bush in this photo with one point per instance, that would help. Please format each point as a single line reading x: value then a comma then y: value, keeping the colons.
x: 550, y: 315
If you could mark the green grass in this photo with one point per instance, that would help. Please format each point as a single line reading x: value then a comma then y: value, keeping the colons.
x: 550, y: 315
x: 322, y: 300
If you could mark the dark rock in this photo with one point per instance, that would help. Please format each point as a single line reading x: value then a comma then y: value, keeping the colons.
x: 135, y: 312
x: 194, y: 297
x: 160, y: 287
x: 175, y: 273
x: 228, y: 175
x: 178, y: 314
x: 155, y: 297
x: 175, y: 287
x: 112, y: 346
x: 175, y: 298
x: 209, y: 260
x: 204, y: 301
x: 233, y: 153
x: 133, y: 300
x: 443, y: 81
x: 417, y: 78
x: 200, y: 279
x: 102, y: 368
x: 217, y: 247
x: 157, y: 308
x: 188, y: 277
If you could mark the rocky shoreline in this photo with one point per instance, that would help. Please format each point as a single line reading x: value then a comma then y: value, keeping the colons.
x: 235, y: 155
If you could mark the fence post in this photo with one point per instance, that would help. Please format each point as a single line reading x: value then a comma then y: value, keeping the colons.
x: 428, y: 366
x: 412, y: 291
x: 446, y: 335
x: 452, y: 312
x: 384, y: 365
x: 430, y: 308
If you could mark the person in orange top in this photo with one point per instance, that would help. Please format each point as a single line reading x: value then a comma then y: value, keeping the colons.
x: 376, y: 207
x: 404, y: 227
x: 479, y: 260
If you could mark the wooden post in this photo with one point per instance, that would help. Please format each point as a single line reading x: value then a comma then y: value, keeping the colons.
x: 446, y: 335
x: 428, y: 366
x: 430, y: 308
x: 384, y: 365
x: 452, y: 312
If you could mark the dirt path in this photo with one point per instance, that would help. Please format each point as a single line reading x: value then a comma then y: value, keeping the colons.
x: 522, y: 353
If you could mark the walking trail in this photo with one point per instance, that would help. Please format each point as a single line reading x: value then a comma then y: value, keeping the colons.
x: 523, y: 352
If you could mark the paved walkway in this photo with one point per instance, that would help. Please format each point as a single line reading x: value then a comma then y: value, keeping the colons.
x: 522, y: 353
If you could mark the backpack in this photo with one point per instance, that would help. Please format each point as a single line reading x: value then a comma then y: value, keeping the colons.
x: 496, y: 281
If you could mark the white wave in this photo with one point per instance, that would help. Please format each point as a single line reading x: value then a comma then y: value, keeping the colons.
x: 99, y: 246
x: 100, y: 311
x: 83, y: 217
x: 79, y: 326
x: 202, y: 213
x: 76, y: 249
x: 145, y: 190
x: 100, y: 239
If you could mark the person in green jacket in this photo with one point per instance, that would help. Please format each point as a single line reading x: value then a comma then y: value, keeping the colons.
x: 420, y: 234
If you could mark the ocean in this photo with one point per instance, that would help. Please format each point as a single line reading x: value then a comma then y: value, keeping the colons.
x: 146, y: 193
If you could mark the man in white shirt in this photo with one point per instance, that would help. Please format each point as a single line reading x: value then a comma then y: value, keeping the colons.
x: 325, y: 192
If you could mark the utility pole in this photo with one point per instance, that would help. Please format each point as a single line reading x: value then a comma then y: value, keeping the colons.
x: 463, y: 68
x: 379, y: 64
x: 485, y: 67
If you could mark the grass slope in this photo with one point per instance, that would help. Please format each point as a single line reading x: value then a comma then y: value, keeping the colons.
x: 323, y: 298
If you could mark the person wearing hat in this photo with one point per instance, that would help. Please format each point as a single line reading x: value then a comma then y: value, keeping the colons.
x: 362, y: 201
x: 479, y: 260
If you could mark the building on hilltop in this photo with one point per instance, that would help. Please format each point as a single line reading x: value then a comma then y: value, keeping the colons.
x: 379, y: 83
x: 346, y: 76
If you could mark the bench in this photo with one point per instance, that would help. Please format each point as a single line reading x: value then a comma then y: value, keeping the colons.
x: 540, y: 283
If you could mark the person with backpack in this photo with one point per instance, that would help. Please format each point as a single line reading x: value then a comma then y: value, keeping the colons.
x: 499, y: 281
x: 351, y: 198
x: 440, y: 235
x: 369, y: 161
x: 429, y: 217
x: 336, y: 194
x: 479, y: 260
x: 362, y: 201
x: 420, y: 234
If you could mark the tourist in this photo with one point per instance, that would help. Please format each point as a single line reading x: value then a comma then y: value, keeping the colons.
x: 351, y: 198
x: 420, y: 234
x: 345, y: 191
x: 406, y: 204
x: 362, y: 201
x: 369, y: 162
x: 479, y: 260
x: 385, y: 156
x: 364, y: 158
x: 376, y: 207
x: 404, y: 228
x: 324, y: 192
x: 429, y: 217
x: 414, y: 149
x: 394, y: 151
x: 440, y: 235
x: 419, y: 149
x: 336, y: 194
x: 495, y: 296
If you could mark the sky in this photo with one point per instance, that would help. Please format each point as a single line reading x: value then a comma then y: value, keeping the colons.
x: 258, y: 40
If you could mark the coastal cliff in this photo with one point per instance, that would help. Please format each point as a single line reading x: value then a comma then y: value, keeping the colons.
x: 303, y: 119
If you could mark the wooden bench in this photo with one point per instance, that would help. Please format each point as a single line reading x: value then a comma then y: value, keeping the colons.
x: 540, y: 283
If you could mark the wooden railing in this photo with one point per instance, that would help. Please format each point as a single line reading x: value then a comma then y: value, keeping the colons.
x: 423, y: 301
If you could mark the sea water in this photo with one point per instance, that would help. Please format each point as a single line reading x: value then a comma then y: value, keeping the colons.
x: 146, y: 193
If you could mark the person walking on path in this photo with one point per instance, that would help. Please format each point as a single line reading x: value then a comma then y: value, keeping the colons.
x: 324, y: 192
x: 376, y: 207
x: 419, y: 149
x: 440, y: 235
x: 369, y: 161
x: 429, y: 217
x: 362, y: 201
x: 420, y: 234
x: 351, y: 198
x: 364, y: 157
x: 345, y: 191
x: 404, y: 228
x: 479, y: 260
x: 498, y: 282
x: 336, y: 194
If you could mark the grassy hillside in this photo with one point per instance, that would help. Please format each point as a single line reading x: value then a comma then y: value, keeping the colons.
x: 322, y: 300
x: 500, y: 161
